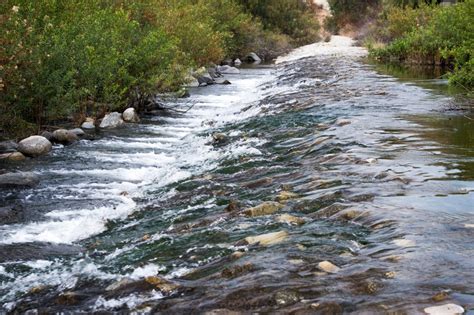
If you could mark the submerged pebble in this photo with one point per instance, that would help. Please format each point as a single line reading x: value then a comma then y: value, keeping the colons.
x: 446, y: 309
x: 328, y: 267
x: 265, y: 208
x: 267, y: 239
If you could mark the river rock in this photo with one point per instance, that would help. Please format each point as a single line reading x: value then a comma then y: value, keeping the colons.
x: 122, y: 283
x: 205, y: 80
x: 48, y: 135
x: 343, y: 122
x: 78, y: 132
x: 219, y: 138
x: 88, y: 124
x: 8, y: 146
x: 112, y: 120
x: 13, y: 156
x: 237, y: 62
x: 19, y: 179
x: 64, y: 136
x: 290, y: 219
x: 265, y: 208
x: 286, y: 195
x: 11, y: 214
x: 162, y: 284
x: 267, y: 239
x: 328, y: 267
x: 446, y: 309
x: 252, y: 57
x: 34, y: 146
x: 214, y: 72
x: 228, y: 70
x: 130, y: 115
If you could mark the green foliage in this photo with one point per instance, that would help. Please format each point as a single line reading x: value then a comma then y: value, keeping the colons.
x: 349, y: 12
x: 431, y: 35
x: 293, y: 18
x: 61, y: 58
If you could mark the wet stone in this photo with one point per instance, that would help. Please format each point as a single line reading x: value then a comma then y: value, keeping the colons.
x: 440, y: 296
x: 236, y: 271
x: 265, y: 208
x: 267, y: 239
x: 328, y: 267
x: 446, y: 309
x: 290, y: 219
x: 285, y: 196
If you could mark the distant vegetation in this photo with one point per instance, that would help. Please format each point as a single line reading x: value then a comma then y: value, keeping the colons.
x: 415, y: 32
x: 62, y: 59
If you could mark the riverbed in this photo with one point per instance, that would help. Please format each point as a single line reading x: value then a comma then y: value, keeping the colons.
x: 372, y: 173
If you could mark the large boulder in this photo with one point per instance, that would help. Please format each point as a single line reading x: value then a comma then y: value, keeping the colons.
x: 205, y: 80
x: 112, y: 120
x: 88, y: 124
x: 34, y: 146
x: 20, y: 179
x: 64, y: 136
x: 228, y: 70
x: 252, y: 57
x: 8, y: 146
x: 130, y: 115
x: 48, y: 135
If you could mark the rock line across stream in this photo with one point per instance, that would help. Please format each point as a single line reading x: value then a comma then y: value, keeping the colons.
x: 315, y: 185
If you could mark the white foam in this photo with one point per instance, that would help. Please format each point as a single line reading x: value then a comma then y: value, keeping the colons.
x: 339, y: 45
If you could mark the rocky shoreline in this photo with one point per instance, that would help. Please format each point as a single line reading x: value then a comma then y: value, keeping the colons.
x: 41, y: 144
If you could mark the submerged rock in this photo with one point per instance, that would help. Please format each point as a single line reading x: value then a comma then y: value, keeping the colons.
x: 446, y: 309
x: 64, y: 136
x: 286, y: 195
x: 34, y: 146
x: 219, y: 138
x: 20, y: 179
x: 290, y: 219
x: 162, y: 284
x: 343, y: 122
x: 112, y: 120
x: 130, y: 115
x: 267, y: 239
x: 8, y: 146
x: 13, y: 156
x: 328, y: 267
x: 265, y: 208
x: 235, y: 271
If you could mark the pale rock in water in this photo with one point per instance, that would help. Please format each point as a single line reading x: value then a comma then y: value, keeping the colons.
x: 237, y: 62
x: 267, y: 239
x: 130, y: 115
x: 265, y: 208
x: 228, y: 70
x: 343, y: 122
x: 78, y: 132
x: 88, y: 124
x: 328, y: 267
x: 112, y: 120
x: 286, y: 195
x: 446, y: 309
x: 34, y: 146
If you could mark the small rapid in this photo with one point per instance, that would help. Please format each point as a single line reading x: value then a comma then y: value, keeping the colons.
x: 362, y: 170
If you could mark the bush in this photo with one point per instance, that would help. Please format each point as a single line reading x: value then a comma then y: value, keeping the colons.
x: 441, y: 35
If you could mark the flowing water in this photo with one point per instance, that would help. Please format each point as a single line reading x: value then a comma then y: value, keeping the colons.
x: 381, y: 174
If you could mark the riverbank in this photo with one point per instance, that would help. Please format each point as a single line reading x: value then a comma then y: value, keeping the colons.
x: 329, y: 193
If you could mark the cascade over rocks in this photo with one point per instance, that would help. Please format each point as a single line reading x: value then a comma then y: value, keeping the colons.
x: 34, y: 146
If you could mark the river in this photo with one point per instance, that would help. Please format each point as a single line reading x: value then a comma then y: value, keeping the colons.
x: 377, y: 174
